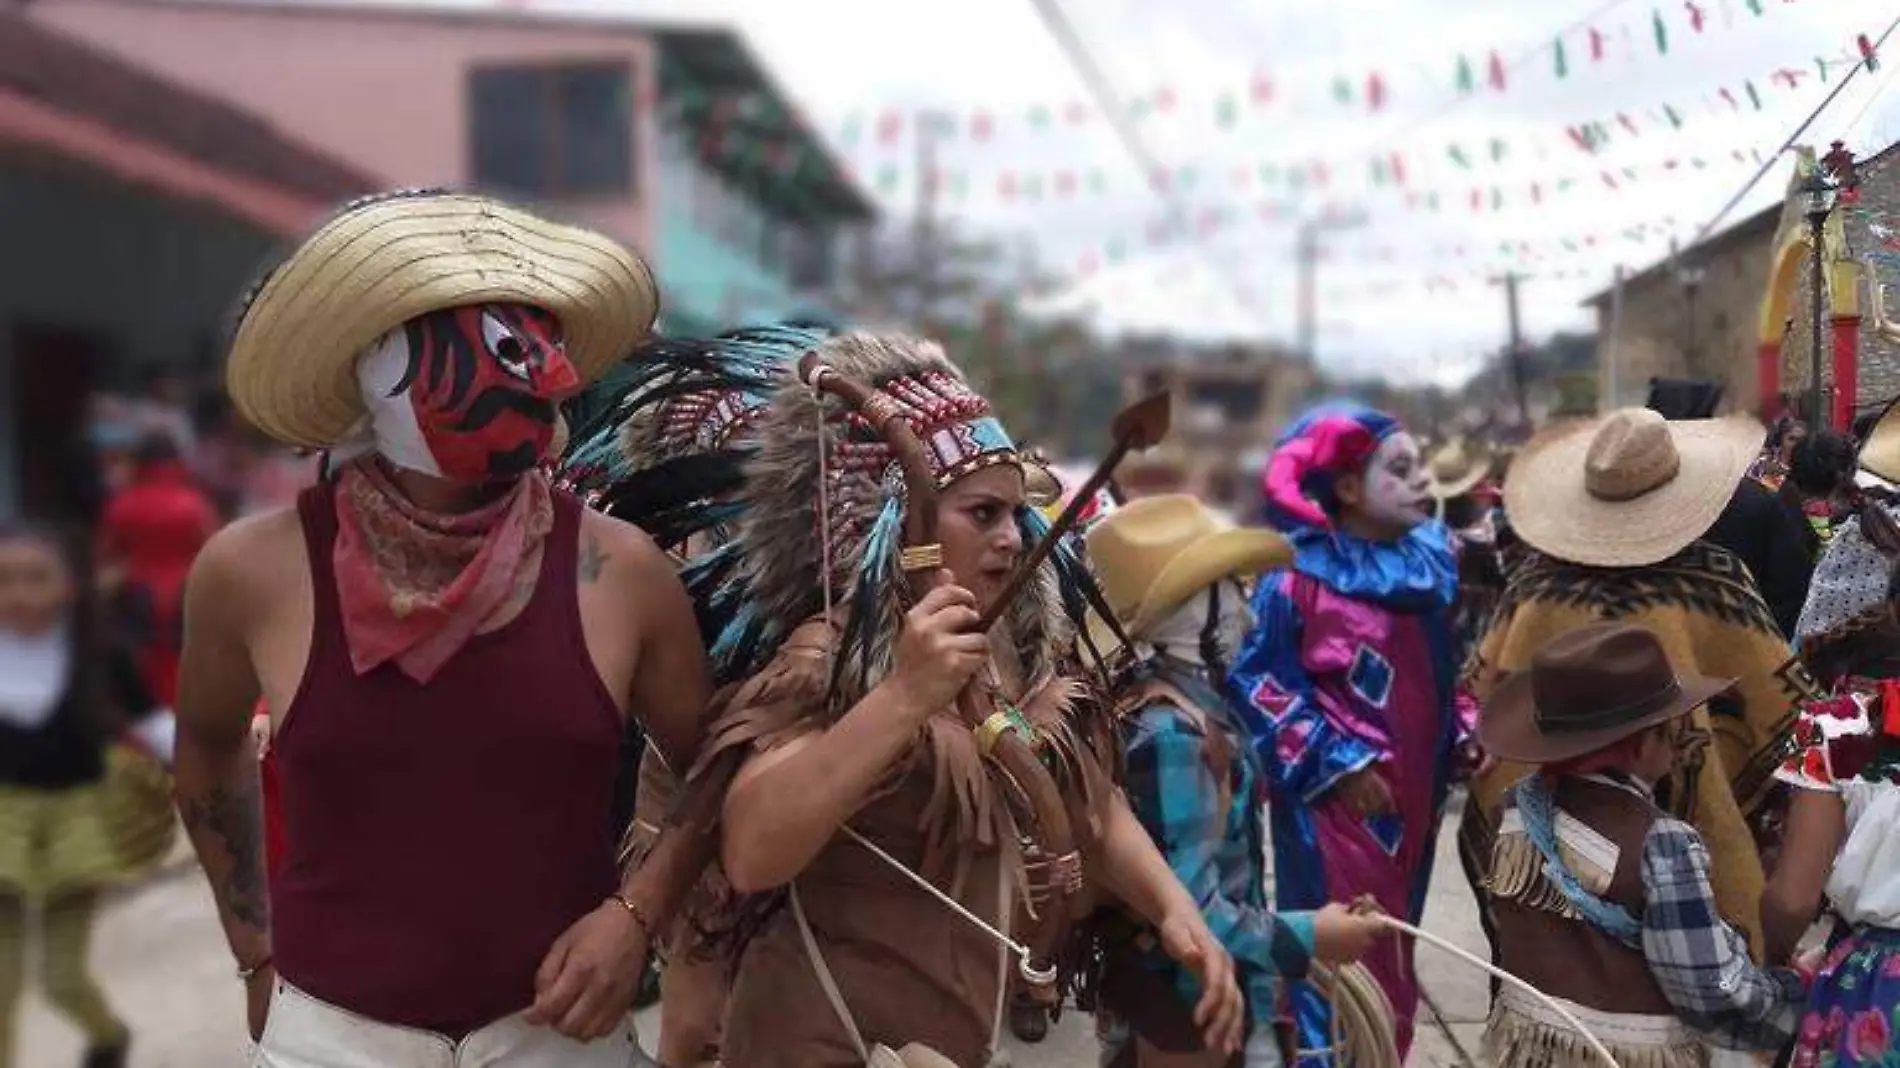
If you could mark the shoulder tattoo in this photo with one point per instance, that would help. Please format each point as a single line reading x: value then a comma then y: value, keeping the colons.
x: 593, y: 559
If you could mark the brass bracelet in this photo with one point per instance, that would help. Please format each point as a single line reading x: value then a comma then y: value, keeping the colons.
x: 246, y: 973
x: 921, y: 558
x: 990, y: 730
x: 639, y: 914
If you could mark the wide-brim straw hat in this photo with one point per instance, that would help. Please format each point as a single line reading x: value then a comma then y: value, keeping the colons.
x: 382, y: 262
x: 1880, y: 453
x: 1455, y: 469
x: 1151, y: 555
x: 1627, y: 489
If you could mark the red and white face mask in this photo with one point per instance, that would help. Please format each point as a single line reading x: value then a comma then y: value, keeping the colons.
x: 468, y: 394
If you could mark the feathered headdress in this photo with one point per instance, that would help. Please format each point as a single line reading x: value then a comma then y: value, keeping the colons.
x: 805, y: 507
x: 721, y: 433
x: 1308, y: 460
x: 662, y: 441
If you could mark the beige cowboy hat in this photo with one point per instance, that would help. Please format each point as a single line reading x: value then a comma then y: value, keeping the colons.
x: 1880, y: 453
x: 1041, y: 487
x: 1151, y: 555
x: 1627, y: 489
x: 382, y: 262
x: 1455, y: 469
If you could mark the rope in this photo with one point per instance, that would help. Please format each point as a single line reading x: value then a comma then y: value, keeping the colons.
x: 1553, y: 1004
x: 1365, y: 1031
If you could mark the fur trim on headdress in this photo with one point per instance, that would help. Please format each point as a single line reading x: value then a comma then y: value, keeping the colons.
x: 781, y: 550
x: 1307, y: 461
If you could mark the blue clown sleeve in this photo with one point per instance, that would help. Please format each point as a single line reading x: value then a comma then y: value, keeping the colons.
x: 1304, y: 751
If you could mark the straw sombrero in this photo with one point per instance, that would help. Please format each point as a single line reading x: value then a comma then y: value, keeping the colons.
x: 384, y: 261
x: 1880, y: 453
x: 1455, y: 469
x: 1628, y: 489
x: 1151, y: 555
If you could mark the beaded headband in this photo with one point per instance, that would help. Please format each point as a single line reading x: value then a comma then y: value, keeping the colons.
x: 952, y: 421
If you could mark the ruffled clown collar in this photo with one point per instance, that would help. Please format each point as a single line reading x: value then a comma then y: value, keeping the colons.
x: 1415, y: 573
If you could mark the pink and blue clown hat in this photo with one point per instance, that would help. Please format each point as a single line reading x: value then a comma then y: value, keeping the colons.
x: 1329, y: 441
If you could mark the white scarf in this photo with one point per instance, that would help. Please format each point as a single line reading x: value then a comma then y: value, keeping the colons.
x: 35, y: 673
x: 1180, y: 633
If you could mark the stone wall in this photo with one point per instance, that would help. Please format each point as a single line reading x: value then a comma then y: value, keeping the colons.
x: 1879, y: 207
x: 1654, y: 338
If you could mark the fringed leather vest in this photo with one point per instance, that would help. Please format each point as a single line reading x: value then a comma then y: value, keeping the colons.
x: 1541, y: 936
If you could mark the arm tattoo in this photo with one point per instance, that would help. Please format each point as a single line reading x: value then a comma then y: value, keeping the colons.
x: 233, y: 818
x: 593, y: 558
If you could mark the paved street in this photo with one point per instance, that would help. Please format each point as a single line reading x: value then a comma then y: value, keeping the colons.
x: 162, y: 960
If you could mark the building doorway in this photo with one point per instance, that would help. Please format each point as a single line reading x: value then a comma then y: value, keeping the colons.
x: 55, y: 370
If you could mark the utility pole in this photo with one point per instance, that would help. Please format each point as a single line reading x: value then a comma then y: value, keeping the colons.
x: 1515, y: 356
x: 1306, y: 258
x: 1609, y: 401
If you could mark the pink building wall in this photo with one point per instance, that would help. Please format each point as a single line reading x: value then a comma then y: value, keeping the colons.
x: 384, y: 91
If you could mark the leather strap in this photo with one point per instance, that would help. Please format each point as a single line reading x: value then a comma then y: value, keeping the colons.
x: 836, y: 996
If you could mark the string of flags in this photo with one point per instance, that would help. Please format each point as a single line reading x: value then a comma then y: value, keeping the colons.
x: 1065, y: 183
x: 1392, y: 168
x: 1167, y: 235
x: 1264, y: 93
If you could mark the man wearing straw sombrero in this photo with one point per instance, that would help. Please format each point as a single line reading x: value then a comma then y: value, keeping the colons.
x: 449, y: 647
x: 1173, y: 574
x: 1602, y: 900
x: 1613, y: 509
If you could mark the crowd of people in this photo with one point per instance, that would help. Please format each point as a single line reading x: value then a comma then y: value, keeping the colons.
x: 773, y: 654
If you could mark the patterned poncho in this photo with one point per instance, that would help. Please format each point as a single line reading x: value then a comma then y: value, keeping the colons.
x: 1704, y: 607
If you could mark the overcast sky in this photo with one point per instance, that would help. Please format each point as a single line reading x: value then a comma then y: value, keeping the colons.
x: 1397, y: 299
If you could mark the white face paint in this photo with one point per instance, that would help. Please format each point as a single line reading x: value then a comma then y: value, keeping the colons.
x: 1396, y: 495
x: 389, y: 426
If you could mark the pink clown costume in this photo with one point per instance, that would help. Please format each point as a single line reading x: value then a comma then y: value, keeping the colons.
x: 1352, y: 665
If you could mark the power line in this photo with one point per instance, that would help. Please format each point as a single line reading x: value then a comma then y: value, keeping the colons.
x: 1775, y: 157
x: 1109, y: 103
x: 1872, y: 99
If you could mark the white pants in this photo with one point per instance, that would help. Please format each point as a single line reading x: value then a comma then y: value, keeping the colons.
x: 306, y: 1033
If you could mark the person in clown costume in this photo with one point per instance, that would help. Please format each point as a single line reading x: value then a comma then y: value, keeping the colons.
x: 1350, y: 676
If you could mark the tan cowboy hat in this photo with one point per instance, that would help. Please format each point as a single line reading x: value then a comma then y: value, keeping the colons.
x: 1041, y: 488
x: 1589, y: 688
x: 1627, y: 489
x: 380, y: 263
x: 1880, y: 453
x: 1151, y: 555
x: 1455, y: 469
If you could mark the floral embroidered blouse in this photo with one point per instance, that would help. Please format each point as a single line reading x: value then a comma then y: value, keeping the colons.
x: 1849, y: 745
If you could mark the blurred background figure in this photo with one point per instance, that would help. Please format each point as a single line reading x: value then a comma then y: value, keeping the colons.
x: 76, y: 813
x: 148, y: 537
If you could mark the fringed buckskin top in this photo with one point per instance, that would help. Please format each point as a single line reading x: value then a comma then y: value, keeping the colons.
x: 908, y: 967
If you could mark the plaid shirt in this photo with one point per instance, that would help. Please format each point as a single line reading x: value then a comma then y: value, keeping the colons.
x: 1219, y: 856
x: 1701, y: 962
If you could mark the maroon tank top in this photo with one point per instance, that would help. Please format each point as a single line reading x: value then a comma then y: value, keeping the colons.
x: 443, y: 836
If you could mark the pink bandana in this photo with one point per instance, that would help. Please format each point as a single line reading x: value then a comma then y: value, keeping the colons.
x: 415, y: 586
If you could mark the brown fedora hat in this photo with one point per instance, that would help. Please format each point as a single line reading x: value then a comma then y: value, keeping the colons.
x: 1586, y: 689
